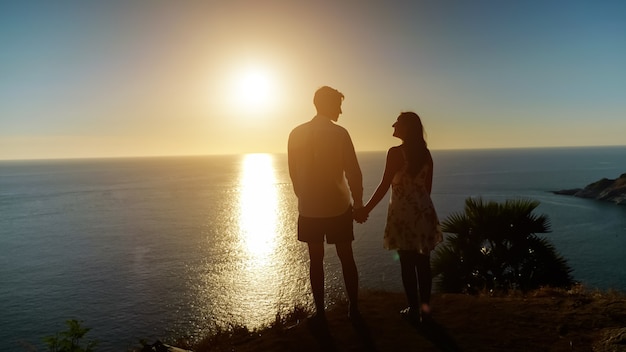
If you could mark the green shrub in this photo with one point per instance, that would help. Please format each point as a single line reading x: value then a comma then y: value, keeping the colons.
x: 70, y: 340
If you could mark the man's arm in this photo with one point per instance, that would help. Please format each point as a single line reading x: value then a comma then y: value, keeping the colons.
x: 353, y: 173
x: 291, y: 161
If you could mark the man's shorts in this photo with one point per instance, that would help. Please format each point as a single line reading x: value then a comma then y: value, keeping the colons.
x: 337, y: 229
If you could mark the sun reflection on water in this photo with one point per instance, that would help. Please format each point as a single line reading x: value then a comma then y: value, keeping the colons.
x: 258, y: 204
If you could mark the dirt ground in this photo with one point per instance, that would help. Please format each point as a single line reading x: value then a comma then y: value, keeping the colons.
x: 545, y: 320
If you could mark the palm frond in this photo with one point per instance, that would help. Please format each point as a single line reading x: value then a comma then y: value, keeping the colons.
x: 495, y: 245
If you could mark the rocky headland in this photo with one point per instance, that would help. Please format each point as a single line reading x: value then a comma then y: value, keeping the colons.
x: 605, y: 189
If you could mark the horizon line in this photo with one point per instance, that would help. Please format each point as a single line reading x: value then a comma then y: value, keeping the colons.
x: 279, y: 153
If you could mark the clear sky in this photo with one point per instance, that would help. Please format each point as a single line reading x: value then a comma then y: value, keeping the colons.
x: 133, y: 78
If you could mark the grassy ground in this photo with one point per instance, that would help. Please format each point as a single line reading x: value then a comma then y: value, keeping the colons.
x: 544, y: 320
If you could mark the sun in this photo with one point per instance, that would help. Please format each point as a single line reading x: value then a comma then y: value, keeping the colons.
x: 254, y: 90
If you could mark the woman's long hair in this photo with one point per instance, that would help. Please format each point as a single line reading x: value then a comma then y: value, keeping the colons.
x: 415, y: 149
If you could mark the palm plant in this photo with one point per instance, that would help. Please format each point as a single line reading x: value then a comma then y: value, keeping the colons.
x: 494, y: 246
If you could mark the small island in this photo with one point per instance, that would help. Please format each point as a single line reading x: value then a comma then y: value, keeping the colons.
x: 604, y: 189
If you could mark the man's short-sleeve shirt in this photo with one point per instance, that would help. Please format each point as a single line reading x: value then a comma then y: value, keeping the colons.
x: 321, y: 159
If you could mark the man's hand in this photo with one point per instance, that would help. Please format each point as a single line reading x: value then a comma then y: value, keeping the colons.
x: 360, y: 215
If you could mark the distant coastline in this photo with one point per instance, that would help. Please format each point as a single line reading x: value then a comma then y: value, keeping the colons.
x: 610, y: 190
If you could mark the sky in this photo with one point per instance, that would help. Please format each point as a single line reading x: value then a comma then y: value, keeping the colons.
x: 150, y: 78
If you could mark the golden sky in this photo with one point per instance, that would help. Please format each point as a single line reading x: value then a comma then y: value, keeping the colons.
x: 120, y: 78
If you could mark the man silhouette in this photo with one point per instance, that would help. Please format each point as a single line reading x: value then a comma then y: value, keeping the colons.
x: 321, y: 158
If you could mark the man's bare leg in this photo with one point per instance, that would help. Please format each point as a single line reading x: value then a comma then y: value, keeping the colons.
x: 316, y: 274
x: 350, y: 275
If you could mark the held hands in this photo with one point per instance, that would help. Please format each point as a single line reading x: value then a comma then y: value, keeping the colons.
x: 360, y: 215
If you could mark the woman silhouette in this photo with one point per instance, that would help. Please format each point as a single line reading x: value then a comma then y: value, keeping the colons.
x: 412, y: 226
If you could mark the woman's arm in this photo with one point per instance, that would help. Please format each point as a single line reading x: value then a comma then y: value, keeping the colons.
x: 429, y: 177
x: 394, y: 163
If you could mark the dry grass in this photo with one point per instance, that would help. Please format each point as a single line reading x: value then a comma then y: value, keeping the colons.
x: 542, y: 320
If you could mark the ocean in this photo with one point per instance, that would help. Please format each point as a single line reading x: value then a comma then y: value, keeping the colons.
x: 146, y: 248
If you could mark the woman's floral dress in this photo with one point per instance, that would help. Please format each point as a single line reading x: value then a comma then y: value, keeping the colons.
x: 412, y: 222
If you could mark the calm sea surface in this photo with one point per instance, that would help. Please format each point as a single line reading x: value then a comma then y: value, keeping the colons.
x: 156, y: 247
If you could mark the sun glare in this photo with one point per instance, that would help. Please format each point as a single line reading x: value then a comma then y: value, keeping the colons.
x: 253, y: 90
